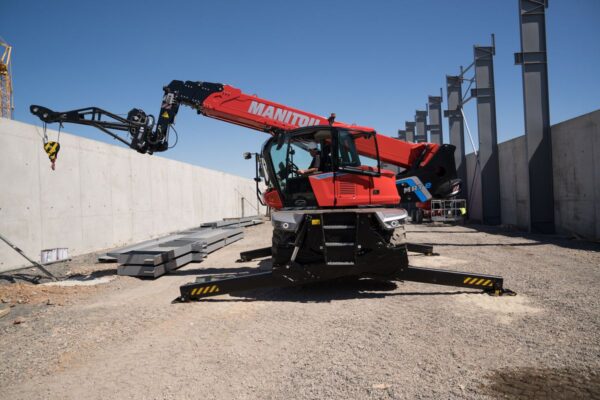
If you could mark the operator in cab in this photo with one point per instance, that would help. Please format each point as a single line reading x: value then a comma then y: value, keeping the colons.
x: 315, y: 164
x: 321, y: 161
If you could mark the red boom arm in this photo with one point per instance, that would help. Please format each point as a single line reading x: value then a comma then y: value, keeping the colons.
x: 231, y: 105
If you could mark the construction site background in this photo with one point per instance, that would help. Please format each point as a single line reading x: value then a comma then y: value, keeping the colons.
x: 576, y: 171
x: 103, y: 196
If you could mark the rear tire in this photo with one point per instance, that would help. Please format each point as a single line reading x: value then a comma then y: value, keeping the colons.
x: 283, y: 245
x: 418, y: 216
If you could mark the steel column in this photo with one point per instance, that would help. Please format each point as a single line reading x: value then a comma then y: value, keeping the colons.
x: 410, y: 131
x: 457, y: 128
x: 533, y: 61
x: 488, y: 136
x: 435, y: 119
x: 421, y: 121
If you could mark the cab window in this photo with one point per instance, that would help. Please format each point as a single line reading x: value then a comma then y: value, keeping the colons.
x: 347, y: 156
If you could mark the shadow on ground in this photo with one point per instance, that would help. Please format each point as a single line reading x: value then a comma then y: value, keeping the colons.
x: 93, y: 275
x: 531, y: 239
x: 544, y: 383
x: 323, y: 292
x: 35, y: 278
x: 29, y: 278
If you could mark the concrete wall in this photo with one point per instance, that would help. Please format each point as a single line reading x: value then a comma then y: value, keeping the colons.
x: 576, y: 165
x: 102, y: 196
x: 576, y: 169
x: 514, y: 183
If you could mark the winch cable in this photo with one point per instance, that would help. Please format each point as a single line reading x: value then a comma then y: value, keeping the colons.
x: 474, y: 151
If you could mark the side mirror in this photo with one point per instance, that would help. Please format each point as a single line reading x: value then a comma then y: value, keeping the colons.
x: 247, y: 156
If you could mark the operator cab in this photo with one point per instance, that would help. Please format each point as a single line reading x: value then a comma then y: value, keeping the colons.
x: 319, y: 167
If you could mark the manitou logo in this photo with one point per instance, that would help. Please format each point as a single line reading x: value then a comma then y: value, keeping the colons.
x: 282, y: 115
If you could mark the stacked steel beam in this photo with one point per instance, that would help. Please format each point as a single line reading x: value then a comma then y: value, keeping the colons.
x: 153, y: 258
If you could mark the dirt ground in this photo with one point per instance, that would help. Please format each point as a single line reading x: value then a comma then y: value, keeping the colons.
x: 123, y: 339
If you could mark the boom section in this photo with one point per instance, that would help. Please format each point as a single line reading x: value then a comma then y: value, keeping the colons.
x: 229, y: 104
x: 232, y: 105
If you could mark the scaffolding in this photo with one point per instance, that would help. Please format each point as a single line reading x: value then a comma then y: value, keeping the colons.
x: 6, y: 94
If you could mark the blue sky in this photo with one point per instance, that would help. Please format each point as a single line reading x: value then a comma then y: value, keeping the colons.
x: 372, y: 63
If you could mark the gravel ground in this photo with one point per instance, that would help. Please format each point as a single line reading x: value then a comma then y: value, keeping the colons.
x: 360, y: 340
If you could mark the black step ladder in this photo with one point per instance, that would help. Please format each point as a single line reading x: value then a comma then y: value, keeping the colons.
x: 339, y: 239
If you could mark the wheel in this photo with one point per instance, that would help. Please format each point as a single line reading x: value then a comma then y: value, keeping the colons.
x: 283, y: 245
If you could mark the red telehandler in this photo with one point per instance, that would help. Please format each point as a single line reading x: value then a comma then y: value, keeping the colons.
x: 338, y: 219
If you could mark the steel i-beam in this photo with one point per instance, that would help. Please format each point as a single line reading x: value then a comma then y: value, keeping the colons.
x: 435, y: 119
x: 457, y: 127
x: 421, y: 124
x: 533, y: 61
x: 402, y: 134
x: 410, y: 131
x: 488, y: 136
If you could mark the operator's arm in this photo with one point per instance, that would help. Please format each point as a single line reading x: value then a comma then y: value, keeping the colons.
x: 308, y: 171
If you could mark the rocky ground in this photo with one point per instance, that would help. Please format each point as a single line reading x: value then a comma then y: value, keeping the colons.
x: 123, y: 339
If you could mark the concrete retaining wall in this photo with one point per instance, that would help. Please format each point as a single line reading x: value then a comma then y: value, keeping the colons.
x: 102, y: 196
x: 514, y: 183
x: 576, y: 165
x: 576, y: 168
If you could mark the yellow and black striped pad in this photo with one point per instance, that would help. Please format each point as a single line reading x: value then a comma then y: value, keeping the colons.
x: 203, y: 290
x: 478, y: 281
x: 52, y: 148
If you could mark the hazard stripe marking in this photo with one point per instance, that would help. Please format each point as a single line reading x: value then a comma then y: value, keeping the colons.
x: 50, y: 147
x: 478, y: 281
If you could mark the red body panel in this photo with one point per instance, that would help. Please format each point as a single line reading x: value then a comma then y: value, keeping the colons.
x: 354, y: 190
x: 395, y: 151
x: 272, y: 199
x: 231, y: 105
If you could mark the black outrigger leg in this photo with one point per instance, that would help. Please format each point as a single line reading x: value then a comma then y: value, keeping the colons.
x: 208, y: 286
x: 256, y: 253
x: 222, y: 284
x: 215, y: 285
x: 491, y: 284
